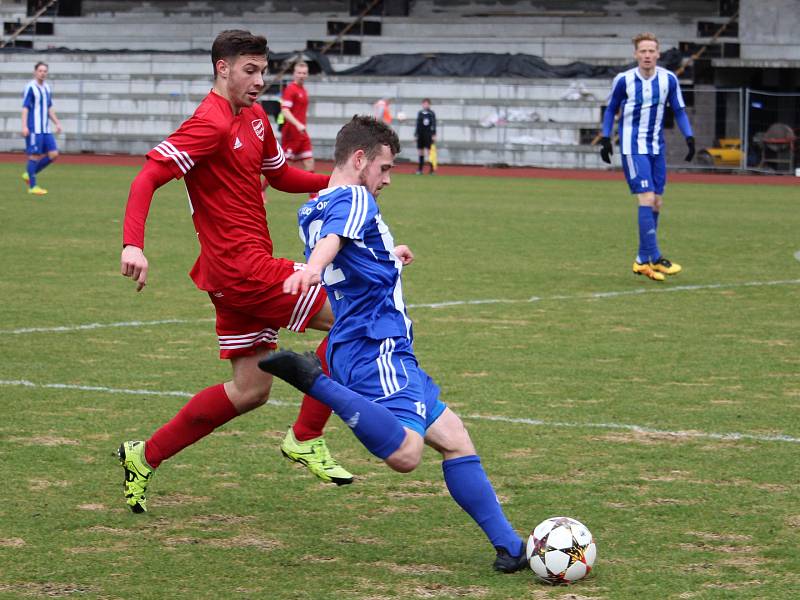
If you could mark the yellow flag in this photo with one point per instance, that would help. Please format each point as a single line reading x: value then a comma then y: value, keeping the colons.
x: 432, y: 157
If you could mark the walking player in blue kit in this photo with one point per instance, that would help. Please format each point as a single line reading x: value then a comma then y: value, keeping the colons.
x: 37, y: 112
x: 376, y: 385
x: 641, y: 95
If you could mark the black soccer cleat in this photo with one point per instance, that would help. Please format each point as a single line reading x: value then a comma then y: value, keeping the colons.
x: 299, y: 370
x: 505, y: 563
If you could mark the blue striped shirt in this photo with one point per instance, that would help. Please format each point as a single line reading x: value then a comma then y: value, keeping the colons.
x: 363, y: 281
x: 37, y: 99
x: 641, y: 103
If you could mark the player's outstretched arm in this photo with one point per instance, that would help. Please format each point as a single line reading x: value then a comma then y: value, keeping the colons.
x: 297, y: 181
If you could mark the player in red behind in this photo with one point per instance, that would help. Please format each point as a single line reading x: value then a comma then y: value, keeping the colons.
x: 294, y: 106
x: 221, y: 151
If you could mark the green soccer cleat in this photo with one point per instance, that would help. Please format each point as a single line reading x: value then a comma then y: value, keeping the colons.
x: 25, y: 177
x: 315, y: 455
x: 37, y: 191
x: 137, y: 474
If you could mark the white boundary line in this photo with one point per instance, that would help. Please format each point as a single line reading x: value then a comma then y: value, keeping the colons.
x: 434, y: 305
x: 535, y: 422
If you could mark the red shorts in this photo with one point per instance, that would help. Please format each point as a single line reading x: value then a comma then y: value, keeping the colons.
x: 250, y: 315
x: 296, y: 145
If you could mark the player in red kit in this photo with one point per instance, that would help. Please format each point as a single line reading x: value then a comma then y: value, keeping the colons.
x: 294, y: 106
x: 221, y: 153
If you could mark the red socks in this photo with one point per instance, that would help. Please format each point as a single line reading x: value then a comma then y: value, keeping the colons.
x: 206, y: 411
x: 313, y: 413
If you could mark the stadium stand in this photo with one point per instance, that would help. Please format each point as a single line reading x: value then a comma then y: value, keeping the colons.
x: 128, y: 72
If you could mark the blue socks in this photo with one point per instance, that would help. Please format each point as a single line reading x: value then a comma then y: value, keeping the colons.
x: 373, y: 424
x: 648, y: 243
x: 42, y: 163
x: 655, y: 218
x: 472, y: 491
x: 31, y: 169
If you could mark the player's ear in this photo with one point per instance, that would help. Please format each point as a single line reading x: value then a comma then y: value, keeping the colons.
x: 359, y: 159
x: 223, y: 68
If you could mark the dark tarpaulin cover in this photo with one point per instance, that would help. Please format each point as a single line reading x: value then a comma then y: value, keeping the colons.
x: 484, y: 64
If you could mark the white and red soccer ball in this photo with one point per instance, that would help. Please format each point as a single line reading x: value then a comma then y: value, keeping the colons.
x: 561, y: 550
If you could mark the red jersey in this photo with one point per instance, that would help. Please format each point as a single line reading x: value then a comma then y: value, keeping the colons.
x: 295, y: 98
x: 221, y: 157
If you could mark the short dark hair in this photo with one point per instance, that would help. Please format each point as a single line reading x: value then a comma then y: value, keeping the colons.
x: 367, y: 134
x: 234, y: 43
x: 39, y: 64
x: 424, y: 100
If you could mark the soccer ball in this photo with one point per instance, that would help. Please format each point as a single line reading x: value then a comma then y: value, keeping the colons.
x: 561, y: 550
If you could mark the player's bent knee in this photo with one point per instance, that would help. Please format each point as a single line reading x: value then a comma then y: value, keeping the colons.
x: 403, y: 463
x: 409, y: 455
x: 249, y: 398
x: 52, y: 155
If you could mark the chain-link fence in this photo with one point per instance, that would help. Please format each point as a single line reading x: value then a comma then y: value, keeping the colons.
x: 741, y: 128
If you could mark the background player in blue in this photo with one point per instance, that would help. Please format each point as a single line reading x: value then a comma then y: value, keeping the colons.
x: 376, y: 386
x: 641, y: 94
x: 37, y: 112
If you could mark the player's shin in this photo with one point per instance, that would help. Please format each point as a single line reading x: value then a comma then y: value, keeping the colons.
x: 313, y: 414
x: 471, y: 489
x: 31, y: 170
x: 374, y: 425
x: 648, y: 244
x: 206, y: 411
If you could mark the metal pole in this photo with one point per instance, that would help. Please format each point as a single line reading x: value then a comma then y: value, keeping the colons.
x: 80, y: 115
x: 745, y: 133
x: 743, y: 161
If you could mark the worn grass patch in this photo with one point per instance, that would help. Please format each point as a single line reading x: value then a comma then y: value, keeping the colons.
x: 565, y: 350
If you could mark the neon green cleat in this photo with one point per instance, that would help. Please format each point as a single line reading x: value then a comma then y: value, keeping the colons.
x: 25, y: 177
x: 315, y: 455
x: 137, y: 475
x: 37, y: 191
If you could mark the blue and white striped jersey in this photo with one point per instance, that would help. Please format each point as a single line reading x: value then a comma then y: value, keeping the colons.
x: 37, y: 99
x: 642, y: 103
x: 363, y: 281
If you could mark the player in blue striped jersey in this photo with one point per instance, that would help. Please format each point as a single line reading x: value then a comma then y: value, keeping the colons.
x: 376, y: 385
x: 37, y: 112
x: 641, y: 95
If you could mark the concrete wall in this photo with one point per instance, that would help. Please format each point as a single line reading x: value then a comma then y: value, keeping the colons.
x: 769, y: 30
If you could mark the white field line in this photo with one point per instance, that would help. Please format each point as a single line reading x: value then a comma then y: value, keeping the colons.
x: 435, y: 305
x: 535, y: 422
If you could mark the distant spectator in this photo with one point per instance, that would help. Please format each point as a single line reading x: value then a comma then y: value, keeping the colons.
x: 382, y: 111
x: 37, y: 112
x: 425, y: 134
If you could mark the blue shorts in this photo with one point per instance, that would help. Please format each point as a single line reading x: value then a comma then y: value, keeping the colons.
x: 40, y: 143
x: 645, y: 172
x: 387, y: 372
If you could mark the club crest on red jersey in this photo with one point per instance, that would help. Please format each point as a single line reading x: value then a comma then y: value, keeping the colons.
x: 258, y: 127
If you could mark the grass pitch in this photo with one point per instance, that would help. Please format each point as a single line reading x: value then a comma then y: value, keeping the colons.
x: 666, y: 417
